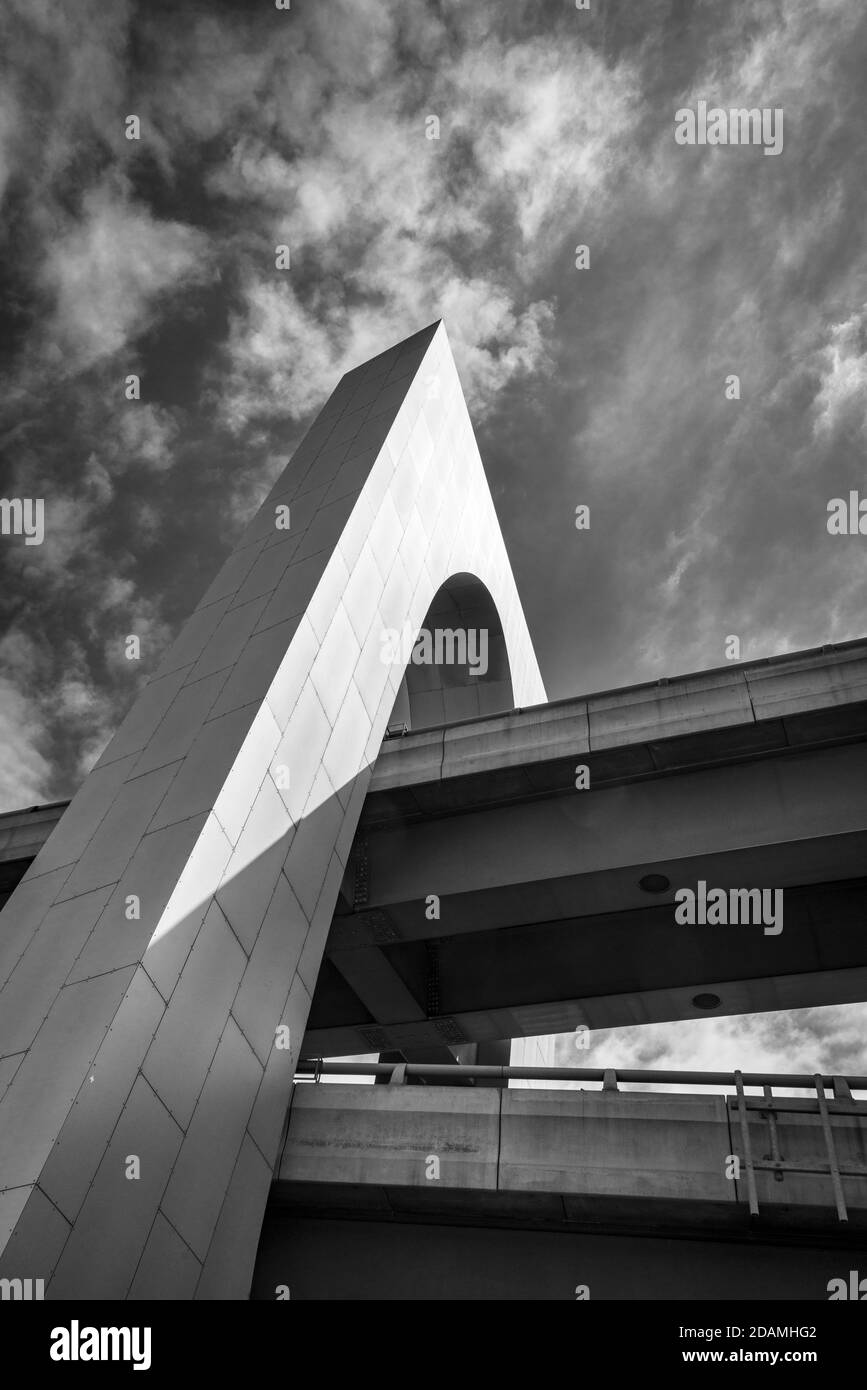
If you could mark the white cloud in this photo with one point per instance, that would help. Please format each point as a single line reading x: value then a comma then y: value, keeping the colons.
x: 531, y: 140
x: 146, y: 435
x: 107, y: 273
x: 552, y: 128
x: 25, y: 772
x: 842, y: 395
x: 800, y: 1041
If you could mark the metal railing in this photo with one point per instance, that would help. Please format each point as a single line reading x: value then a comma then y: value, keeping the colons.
x: 770, y: 1106
x: 767, y: 1106
x: 610, y: 1077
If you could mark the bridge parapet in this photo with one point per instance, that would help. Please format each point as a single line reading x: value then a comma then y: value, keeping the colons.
x: 579, y: 1158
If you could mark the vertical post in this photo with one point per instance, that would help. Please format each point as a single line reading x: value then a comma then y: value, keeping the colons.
x: 745, y: 1140
x: 837, y: 1185
x: 775, y: 1154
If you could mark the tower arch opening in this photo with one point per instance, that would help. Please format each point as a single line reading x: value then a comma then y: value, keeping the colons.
x: 458, y: 664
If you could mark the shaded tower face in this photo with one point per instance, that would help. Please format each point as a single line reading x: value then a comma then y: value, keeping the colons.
x: 226, y: 804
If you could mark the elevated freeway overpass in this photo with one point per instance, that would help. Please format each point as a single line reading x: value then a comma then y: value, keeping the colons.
x: 556, y: 905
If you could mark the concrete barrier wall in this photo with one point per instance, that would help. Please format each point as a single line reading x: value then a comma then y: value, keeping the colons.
x: 636, y: 1146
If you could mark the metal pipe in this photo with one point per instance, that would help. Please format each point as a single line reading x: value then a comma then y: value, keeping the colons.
x: 833, y: 1167
x: 775, y: 1155
x: 444, y: 1072
x: 745, y: 1140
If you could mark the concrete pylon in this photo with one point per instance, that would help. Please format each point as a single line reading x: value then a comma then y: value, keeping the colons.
x: 158, y: 959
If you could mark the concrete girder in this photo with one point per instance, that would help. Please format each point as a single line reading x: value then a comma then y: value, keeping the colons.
x: 545, y: 924
x: 615, y: 969
x: 796, y: 799
x: 799, y: 700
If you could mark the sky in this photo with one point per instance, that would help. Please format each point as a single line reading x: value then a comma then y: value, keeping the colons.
x: 603, y: 386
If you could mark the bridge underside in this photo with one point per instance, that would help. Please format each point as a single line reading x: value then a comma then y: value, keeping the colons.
x: 409, y: 1258
x: 749, y: 777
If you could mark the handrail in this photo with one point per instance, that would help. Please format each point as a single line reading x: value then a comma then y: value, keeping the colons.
x: 441, y: 1071
x: 740, y: 1106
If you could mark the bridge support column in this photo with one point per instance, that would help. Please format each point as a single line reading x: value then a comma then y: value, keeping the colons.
x: 158, y: 959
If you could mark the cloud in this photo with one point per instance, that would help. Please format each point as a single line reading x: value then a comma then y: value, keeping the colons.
x: 285, y: 360
x: 551, y: 127
x: 9, y: 134
x: 25, y: 773
x: 389, y: 230
x: 108, y: 273
x: 145, y: 436
x: 706, y: 263
x: 65, y: 67
x: 829, y: 1040
x: 841, y: 401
